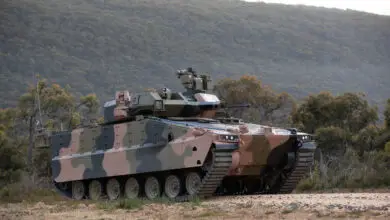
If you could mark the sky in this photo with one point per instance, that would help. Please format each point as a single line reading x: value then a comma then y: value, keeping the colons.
x: 381, y: 7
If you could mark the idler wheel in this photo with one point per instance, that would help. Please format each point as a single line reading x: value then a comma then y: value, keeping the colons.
x: 172, y: 186
x: 131, y: 188
x: 193, y: 182
x: 113, y: 189
x: 78, y: 190
x: 95, y: 190
x: 152, y: 188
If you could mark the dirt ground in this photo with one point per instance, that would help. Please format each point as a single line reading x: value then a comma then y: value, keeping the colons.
x: 293, y: 206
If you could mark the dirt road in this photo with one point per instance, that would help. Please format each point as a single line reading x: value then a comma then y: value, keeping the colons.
x: 293, y: 206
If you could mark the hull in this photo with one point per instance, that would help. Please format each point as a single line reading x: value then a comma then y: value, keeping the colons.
x: 269, y: 162
x: 258, y: 151
x: 147, y: 150
x: 280, y: 179
x: 260, y: 160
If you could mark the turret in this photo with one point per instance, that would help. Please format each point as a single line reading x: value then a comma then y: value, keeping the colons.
x: 194, y: 102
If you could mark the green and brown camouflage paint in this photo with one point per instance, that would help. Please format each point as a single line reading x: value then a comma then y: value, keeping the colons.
x: 142, y: 146
x: 131, y: 143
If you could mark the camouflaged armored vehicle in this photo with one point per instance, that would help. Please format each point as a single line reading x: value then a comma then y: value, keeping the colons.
x: 150, y: 144
x: 173, y: 144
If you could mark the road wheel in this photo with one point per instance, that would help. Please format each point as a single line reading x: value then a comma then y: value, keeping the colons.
x: 172, y: 186
x: 78, y: 190
x: 131, y: 188
x: 193, y: 181
x: 113, y: 189
x: 152, y: 188
x: 95, y: 190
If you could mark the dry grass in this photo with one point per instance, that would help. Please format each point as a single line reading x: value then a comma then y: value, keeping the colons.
x: 349, y: 173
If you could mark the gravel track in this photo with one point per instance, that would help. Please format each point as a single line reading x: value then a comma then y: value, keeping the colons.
x: 292, y: 206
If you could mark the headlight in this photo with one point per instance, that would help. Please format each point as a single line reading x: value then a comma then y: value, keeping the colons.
x: 305, y: 138
x: 230, y: 138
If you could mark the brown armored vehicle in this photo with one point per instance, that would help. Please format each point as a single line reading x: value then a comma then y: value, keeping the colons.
x: 171, y: 143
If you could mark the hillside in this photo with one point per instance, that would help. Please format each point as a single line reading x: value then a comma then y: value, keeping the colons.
x: 103, y: 46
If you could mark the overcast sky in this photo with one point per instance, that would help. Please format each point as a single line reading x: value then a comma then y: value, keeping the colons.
x: 373, y: 6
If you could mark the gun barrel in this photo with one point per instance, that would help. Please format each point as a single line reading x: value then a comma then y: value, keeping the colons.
x: 238, y: 106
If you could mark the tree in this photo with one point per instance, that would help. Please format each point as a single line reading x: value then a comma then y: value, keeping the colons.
x: 314, y: 112
x: 349, y: 111
x: 387, y: 114
x: 332, y: 140
x: 11, y: 162
x: 266, y: 105
x: 365, y: 139
x: 85, y: 110
x: 53, y: 106
x: 352, y: 112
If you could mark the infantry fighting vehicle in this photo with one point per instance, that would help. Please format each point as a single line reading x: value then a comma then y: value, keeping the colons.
x: 173, y: 143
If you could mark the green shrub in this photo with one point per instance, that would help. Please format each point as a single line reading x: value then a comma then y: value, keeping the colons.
x: 11, y: 163
x: 350, y: 171
x: 363, y: 140
x: 332, y: 140
x: 387, y: 147
x: 42, y: 163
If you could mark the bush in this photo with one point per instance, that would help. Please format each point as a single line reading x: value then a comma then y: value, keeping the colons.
x: 387, y: 114
x: 332, y: 140
x: 42, y: 163
x: 387, y: 147
x: 11, y: 163
x: 351, y: 171
x: 27, y: 190
x: 364, y: 139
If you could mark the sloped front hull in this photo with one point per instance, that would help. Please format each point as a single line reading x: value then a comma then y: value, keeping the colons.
x: 269, y: 170
x: 257, y: 151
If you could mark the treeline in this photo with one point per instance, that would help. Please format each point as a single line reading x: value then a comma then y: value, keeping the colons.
x: 355, y: 150
x: 104, y: 46
x: 44, y: 102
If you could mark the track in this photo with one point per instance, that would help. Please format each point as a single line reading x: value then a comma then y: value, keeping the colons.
x: 285, y: 182
x: 304, y: 160
x: 212, y: 179
x: 212, y: 173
